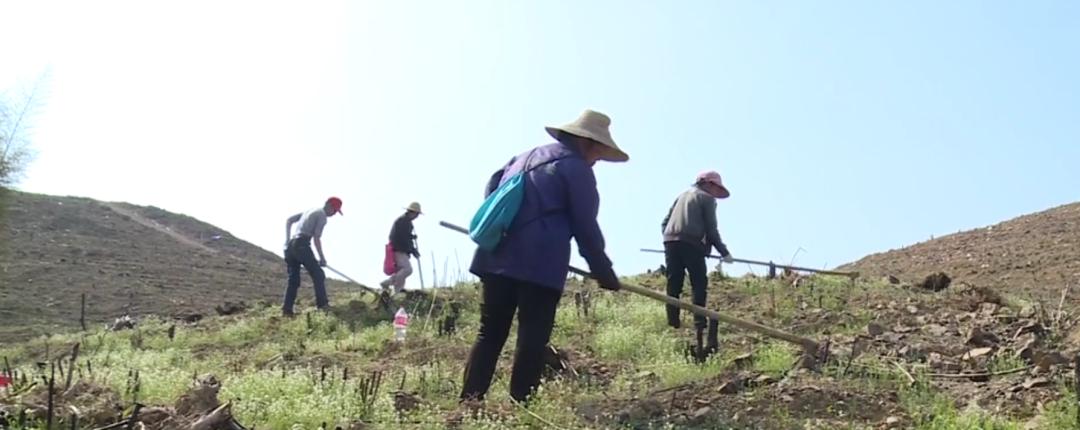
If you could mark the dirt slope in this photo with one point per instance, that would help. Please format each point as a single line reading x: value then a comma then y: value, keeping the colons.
x: 126, y: 258
x: 1036, y: 253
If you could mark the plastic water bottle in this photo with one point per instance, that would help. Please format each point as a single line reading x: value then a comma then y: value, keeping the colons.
x: 401, y: 323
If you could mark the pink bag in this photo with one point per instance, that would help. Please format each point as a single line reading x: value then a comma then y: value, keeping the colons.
x: 388, y: 265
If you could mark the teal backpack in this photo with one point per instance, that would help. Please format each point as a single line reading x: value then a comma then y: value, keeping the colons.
x: 491, y: 222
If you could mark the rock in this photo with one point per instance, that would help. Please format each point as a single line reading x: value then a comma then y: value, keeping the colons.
x: 874, y: 329
x: 976, y: 353
x: 743, y: 361
x: 940, y: 363
x: 922, y: 320
x: 936, y: 282
x: 899, y: 328
x: 701, y: 413
x: 951, y: 350
x: 935, y: 330
x: 911, y: 309
x: 764, y: 380
x: 123, y: 323
x: 892, y: 338
x: 983, y: 338
x: 230, y: 308
x: 732, y: 387
x: 1026, y: 351
x: 1036, y: 382
x: 892, y: 422
x: 987, y: 309
x: 1046, y: 360
x: 913, y: 351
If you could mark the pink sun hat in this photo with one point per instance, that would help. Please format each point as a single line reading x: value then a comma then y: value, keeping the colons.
x: 713, y: 177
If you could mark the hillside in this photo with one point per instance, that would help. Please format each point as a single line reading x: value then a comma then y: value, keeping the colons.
x: 893, y: 357
x: 127, y: 259
x: 899, y: 358
x: 1037, y: 253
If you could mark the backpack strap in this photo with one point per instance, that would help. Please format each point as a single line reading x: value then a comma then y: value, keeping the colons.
x: 528, y: 169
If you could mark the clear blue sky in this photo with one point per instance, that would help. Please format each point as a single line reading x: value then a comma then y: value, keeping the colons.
x: 843, y: 128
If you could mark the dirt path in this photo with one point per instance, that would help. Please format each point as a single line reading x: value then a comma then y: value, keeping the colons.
x: 154, y: 225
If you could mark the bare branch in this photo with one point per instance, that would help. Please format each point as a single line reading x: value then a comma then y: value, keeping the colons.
x: 15, y: 150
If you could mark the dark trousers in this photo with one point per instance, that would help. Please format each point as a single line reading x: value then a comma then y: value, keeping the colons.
x: 683, y: 258
x: 535, y: 306
x: 297, y: 254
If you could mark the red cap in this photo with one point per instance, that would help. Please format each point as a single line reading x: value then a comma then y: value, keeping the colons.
x: 335, y: 203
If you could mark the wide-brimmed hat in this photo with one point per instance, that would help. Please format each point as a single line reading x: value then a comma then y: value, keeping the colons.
x: 414, y: 207
x: 592, y: 125
x: 712, y: 177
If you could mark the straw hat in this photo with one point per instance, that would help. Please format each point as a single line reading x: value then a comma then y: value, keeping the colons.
x: 414, y: 207
x: 593, y: 125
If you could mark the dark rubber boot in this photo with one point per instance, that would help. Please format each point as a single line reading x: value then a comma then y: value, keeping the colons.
x: 713, y: 344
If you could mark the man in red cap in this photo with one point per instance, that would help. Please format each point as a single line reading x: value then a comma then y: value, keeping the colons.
x: 298, y: 252
x: 689, y: 232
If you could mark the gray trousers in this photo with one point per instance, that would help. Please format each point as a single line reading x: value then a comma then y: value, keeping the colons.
x: 404, y: 270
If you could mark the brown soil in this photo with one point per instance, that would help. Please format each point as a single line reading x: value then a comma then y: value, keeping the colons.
x: 567, y: 363
x: 951, y: 339
x: 1037, y: 253
x: 127, y: 260
x: 748, y: 400
x: 97, y: 404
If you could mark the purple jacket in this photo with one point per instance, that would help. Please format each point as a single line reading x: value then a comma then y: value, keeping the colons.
x: 561, y: 202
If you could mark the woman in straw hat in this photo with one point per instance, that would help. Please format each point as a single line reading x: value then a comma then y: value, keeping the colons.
x: 689, y: 232
x: 526, y: 272
x: 403, y: 242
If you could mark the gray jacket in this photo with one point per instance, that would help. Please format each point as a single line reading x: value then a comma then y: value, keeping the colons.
x: 692, y: 219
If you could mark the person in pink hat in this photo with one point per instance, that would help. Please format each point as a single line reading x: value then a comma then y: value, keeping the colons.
x: 690, y: 231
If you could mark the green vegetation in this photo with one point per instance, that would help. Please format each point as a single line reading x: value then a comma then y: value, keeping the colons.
x: 301, y: 373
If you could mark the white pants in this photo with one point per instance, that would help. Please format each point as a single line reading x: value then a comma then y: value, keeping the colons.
x: 404, y: 269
